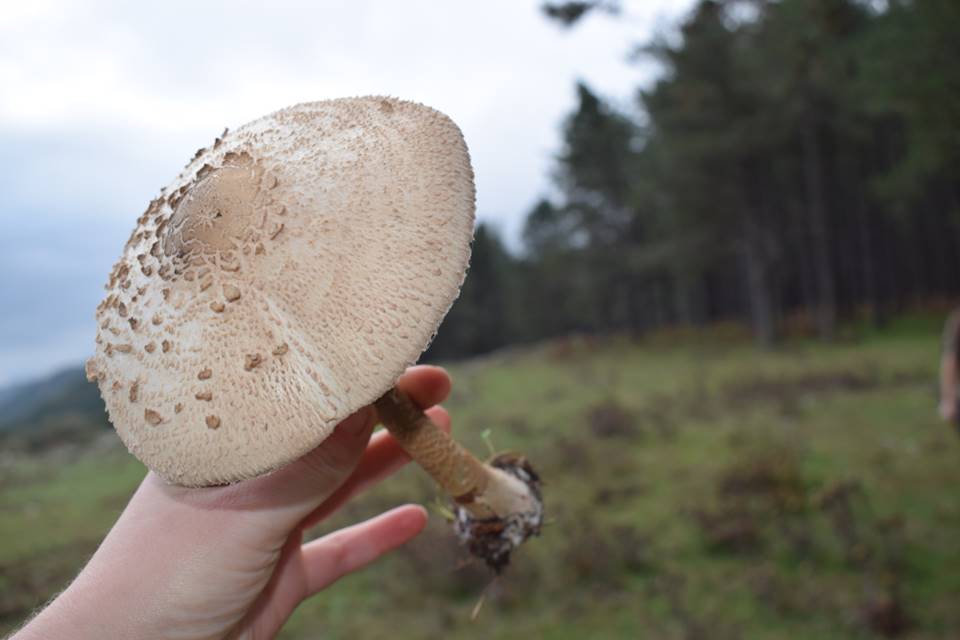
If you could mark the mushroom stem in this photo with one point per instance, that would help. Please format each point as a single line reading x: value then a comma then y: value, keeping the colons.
x: 501, y: 498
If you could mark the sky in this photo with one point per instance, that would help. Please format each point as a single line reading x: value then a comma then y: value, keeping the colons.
x: 102, y: 103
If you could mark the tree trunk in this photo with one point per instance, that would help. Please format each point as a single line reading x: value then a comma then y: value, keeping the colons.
x: 689, y: 296
x: 826, y: 312
x: 759, y: 291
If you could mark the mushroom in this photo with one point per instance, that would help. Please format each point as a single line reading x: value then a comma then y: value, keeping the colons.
x: 338, y: 235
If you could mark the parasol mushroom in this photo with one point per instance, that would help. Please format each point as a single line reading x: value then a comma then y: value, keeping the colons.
x: 289, y: 275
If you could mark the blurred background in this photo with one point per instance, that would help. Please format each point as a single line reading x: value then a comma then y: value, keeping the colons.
x: 716, y: 244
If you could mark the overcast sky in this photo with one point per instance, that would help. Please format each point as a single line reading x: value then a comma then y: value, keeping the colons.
x: 102, y: 103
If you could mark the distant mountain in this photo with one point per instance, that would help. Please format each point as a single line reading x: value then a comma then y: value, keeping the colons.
x: 9, y: 391
x: 64, y: 399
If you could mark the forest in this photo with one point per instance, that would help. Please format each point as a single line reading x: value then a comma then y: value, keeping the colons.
x: 794, y: 166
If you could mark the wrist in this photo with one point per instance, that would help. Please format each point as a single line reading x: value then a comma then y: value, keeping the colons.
x: 68, y: 617
x: 110, y: 598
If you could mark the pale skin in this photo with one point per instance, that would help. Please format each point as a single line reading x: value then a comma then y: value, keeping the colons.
x: 229, y: 562
x: 948, y: 368
x: 948, y: 387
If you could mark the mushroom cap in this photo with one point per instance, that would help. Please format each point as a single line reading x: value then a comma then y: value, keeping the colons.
x: 281, y: 282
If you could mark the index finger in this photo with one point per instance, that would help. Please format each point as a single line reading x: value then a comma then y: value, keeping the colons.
x: 426, y: 385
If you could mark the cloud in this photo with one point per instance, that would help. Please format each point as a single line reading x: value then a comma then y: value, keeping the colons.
x: 104, y: 101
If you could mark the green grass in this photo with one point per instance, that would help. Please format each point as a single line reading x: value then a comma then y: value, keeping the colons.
x: 696, y: 487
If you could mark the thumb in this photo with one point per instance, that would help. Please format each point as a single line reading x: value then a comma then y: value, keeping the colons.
x: 301, y: 486
x: 334, y: 459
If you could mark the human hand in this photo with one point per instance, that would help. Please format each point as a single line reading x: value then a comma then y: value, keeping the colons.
x: 228, y: 562
x: 948, y: 410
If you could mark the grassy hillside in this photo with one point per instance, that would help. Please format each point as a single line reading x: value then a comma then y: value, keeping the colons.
x: 697, y: 488
x: 41, y: 413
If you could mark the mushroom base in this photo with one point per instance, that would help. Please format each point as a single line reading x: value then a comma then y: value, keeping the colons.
x: 494, y: 539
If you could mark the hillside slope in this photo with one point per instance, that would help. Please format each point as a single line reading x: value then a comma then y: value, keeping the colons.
x: 696, y: 488
x: 65, y: 399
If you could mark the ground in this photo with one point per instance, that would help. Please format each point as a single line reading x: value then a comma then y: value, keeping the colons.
x: 696, y: 487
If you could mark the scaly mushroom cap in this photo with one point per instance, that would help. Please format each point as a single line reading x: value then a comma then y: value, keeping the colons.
x: 283, y: 281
